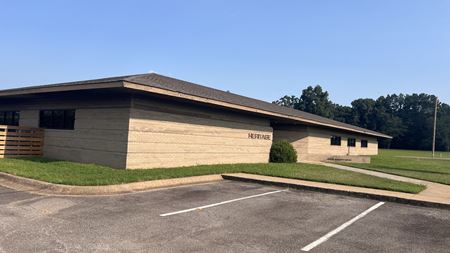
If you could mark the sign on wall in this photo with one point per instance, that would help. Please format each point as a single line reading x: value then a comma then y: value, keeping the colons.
x: 259, y: 136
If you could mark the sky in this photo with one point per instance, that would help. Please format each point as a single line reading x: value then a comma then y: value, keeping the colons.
x: 261, y: 49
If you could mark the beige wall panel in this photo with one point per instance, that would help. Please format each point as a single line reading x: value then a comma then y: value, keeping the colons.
x: 180, y: 137
x: 319, y: 143
x: 92, y: 134
x: 139, y: 161
x: 189, y: 138
x: 142, y: 116
x: 161, y: 126
x: 86, y: 143
x: 29, y: 118
x: 115, y: 160
x: 196, y: 111
x: 103, y: 113
x: 117, y: 124
x: 313, y: 143
x: 178, y: 147
x: 296, y: 136
x: 102, y: 119
x: 101, y: 129
x: 98, y: 133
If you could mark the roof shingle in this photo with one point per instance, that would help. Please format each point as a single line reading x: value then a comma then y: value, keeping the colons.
x: 172, y: 84
x: 188, y: 88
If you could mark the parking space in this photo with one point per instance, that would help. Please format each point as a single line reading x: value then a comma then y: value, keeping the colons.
x: 220, y: 217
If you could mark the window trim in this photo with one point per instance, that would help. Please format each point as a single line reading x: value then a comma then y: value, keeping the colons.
x: 336, y: 138
x: 67, y: 123
x: 354, y: 142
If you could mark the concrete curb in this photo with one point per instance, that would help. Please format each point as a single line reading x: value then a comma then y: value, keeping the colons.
x: 44, y: 188
x: 374, y: 196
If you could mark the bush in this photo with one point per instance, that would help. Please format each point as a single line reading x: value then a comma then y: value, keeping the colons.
x: 282, y: 152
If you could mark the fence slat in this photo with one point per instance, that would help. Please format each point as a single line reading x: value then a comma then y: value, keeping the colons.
x: 16, y: 141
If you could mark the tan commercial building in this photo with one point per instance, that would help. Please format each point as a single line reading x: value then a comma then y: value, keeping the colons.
x: 150, y: 121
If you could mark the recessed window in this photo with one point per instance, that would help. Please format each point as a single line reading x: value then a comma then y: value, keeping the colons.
x: 335, y: 140
x: 9, y: 118
x: 57, y: 119
x: 364, y: 143
x: 351, y: 142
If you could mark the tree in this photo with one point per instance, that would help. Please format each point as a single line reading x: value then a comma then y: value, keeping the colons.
x: 363, y: 113
x: 408, y: 118
x: 287, y: 101
x: 417, y: 112
x: 343, y: 113
x: 443, y: 127
x: 314, y: 100
x: 386, y: 119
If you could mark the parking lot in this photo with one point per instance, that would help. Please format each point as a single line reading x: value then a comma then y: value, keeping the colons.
x: 217, y: 217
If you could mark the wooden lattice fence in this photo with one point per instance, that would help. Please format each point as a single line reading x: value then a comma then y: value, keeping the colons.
x: 18, y: 141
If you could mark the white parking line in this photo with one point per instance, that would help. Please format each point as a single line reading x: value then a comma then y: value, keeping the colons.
x: 340, y: 228
x: 220, y: 203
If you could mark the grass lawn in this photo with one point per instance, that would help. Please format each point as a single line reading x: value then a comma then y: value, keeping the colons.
x: 70, y: 173
x: 431, y: 170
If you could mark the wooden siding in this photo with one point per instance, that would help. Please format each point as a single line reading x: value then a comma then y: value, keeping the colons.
x: 170, y: 134
x: 20, y: 141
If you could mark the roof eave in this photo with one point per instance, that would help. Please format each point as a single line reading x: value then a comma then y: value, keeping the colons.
x: 60, y: 88
x: 146, y: 88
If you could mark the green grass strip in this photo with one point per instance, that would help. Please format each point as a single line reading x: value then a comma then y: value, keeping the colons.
x: 394, y: 162
x: 71, y: 173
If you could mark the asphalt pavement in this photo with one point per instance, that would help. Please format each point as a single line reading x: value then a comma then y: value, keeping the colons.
x: 217, y: 217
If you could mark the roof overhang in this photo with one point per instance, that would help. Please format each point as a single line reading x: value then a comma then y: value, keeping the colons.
x: 154, y: 90
x: 60, y: 88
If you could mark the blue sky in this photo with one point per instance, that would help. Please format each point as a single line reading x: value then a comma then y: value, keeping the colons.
x: 262, y: 49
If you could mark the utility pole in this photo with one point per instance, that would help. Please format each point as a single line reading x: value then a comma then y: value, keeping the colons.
x: 434, y: 128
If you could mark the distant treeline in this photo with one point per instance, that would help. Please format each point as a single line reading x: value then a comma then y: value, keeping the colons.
x: 408, y: 118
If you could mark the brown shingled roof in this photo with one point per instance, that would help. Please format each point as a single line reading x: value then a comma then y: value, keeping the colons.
x: 188, y: 88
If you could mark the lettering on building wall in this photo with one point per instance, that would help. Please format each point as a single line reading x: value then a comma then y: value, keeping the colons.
x: 259, y: 136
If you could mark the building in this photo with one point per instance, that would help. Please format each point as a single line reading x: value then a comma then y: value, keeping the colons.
x: 150, y: 120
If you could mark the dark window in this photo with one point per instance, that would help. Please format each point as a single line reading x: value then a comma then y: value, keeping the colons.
x: 364, y: 143
x: 9, y: 118
x: 57, y: 119
x: 351, y: 142
x: 335, y: 140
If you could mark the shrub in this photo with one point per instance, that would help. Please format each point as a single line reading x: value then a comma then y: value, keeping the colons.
x: 282, y: 152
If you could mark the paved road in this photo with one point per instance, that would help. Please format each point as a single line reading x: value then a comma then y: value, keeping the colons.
x: 278, y: 221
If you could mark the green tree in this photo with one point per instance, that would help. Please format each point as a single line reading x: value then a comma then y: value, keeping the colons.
x: 443, y: 128
x: 343, y: 113
x: 408, y: 118
x: 287, y: 101
x: 315, y: 100
x: 386, y: 119
x: 363, y: 113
